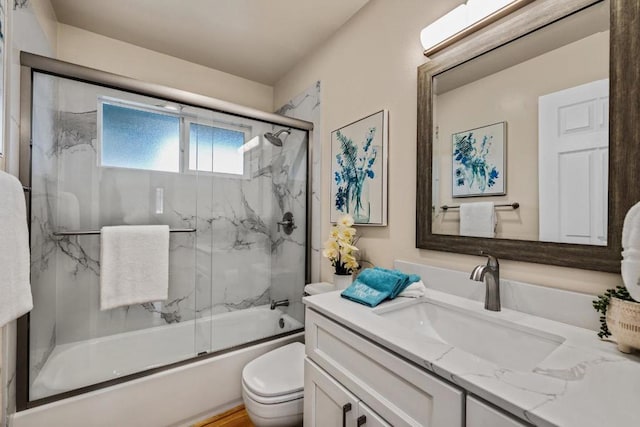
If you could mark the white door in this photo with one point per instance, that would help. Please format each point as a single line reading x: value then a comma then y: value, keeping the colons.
x: 573, y: 135
x: 326, y: 402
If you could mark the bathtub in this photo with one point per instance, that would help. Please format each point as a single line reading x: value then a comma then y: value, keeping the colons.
x: 83, y: 363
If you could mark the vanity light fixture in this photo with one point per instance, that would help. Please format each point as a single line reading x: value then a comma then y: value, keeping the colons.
x: 465, y: 19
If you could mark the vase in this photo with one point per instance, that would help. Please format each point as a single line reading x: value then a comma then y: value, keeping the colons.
x: 623, y: 321
x: 359, y: 204
x: 342, y: 281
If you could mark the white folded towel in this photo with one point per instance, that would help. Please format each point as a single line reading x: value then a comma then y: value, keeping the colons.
x: 478, y: 219
x: 15, y: 289
x: 134, y: 265
x: 414, y: 290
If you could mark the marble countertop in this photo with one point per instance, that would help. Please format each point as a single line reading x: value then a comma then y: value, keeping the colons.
x: 583, y: 382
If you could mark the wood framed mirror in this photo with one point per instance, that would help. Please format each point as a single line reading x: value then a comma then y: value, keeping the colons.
x: 621, y: 170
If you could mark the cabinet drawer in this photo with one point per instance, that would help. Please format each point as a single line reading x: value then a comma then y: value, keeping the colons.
x: 480, y: 414
x: 398, y: 391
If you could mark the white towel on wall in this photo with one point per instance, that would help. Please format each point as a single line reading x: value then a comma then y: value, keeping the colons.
x: 134, y: 265
x: 15, y: 288
x: 478, y: 219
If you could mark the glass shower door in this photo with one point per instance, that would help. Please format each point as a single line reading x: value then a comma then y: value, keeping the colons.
x: 246, y: 186
x: 103, y: 157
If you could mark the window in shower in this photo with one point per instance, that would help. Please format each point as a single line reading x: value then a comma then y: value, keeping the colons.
x: 134, y: 137
x: 139, y: 136
x: 216, y: 148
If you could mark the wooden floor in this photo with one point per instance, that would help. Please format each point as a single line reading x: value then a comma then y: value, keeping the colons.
x: 235, y: 417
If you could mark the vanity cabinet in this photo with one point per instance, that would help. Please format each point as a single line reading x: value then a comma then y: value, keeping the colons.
x: 480, y: 414
x: 327, y: 403
x: 343, y: 368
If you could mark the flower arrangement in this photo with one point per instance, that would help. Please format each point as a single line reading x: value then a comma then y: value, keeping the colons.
x: 339, y: 247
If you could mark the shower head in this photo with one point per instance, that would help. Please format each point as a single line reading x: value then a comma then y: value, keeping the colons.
x: 274, y: 138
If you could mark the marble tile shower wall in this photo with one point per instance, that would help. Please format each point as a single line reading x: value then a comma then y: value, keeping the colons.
x: 305, y: 106
x: 43, y: 208
x: 26, y: 32
x: 236, y: 260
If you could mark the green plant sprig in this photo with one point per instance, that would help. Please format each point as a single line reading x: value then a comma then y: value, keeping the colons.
x: 602, y: 303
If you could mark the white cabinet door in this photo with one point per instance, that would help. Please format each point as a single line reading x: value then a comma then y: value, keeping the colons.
x: 368, y: 418
x: 482, y: 415
x: 326, y: 402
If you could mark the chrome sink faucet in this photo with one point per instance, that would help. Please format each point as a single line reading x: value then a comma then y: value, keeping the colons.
x: 490, y: 273
x: 281, y: 303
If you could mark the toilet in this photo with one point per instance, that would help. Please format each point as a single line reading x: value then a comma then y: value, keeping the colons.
x: 273, y: 387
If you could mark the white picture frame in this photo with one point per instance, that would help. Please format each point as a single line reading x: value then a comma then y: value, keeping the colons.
x: 359, y: 175
x: 479, y: 161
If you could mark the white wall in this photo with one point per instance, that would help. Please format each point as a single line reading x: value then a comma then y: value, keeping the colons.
x: 93, y: 50
x: 369, y: 64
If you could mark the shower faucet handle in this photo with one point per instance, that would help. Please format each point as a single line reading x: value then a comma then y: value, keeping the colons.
x: 287, y: 223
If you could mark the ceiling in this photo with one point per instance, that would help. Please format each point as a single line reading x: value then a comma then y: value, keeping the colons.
x: 256, y: 39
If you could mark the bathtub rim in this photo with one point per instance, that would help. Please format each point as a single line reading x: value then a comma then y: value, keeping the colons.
x: 218, y: 317
x: 30, y: 404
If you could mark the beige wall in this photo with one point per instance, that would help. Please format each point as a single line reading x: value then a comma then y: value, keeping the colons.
x: 511, y: 96
x: 93, y: 50
x: 371, y: 64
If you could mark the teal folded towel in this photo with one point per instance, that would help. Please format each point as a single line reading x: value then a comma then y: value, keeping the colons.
x: 374, y: 285
x: 363, y: 294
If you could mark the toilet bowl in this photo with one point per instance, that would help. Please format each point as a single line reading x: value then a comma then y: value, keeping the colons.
x: 273, y: 387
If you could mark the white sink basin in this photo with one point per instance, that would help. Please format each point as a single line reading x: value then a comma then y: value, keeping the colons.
x: 485, y: 335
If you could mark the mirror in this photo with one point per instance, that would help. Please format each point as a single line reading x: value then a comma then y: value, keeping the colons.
x: 519, y: 115
x: 527, y: 123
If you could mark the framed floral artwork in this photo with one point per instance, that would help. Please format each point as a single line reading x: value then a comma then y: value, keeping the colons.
x: 479, y: 167
x: 359, y: 170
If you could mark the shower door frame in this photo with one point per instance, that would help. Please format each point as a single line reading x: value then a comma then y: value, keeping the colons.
x: 31, y: 63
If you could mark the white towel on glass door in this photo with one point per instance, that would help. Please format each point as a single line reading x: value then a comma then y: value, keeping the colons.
x: 134, y: 265
x: 478, y: 219
x: 15, y: 289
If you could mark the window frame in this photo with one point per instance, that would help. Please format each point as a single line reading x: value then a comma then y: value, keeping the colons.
x: 133, y: 105
x: 188, y: 120
x: 184, y: 134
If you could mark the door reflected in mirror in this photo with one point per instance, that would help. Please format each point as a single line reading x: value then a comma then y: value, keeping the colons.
x: 527, y: 123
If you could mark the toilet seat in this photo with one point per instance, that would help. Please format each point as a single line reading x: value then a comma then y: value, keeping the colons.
x: 273, y: 387
x: 277, y: 376
x: 272, y: 400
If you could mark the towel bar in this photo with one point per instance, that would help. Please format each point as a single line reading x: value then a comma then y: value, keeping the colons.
x: 514, y: 205
x: 90, y: 232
